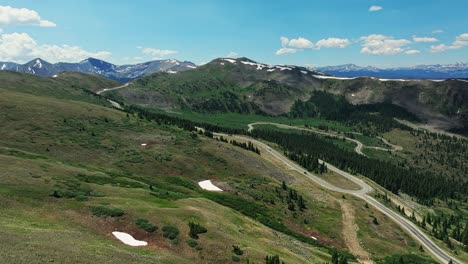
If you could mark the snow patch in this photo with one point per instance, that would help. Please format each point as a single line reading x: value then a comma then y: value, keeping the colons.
x: 282, y: 68
x: 304, y: 72
x: 4, y: 66
x: 128, y: 239
x: 55, y: 76
x: 393, y: 80
x: 143, y: 144
x: 222, y: 63
x: 209, y: 186
x: 462, y: 80
x: 192, y: 67
x: 333, y: 77
x: 38, y: 64
x: 259, y: 65
x: 230, y: 60
x: 270, y: 70
x: 171, y: 72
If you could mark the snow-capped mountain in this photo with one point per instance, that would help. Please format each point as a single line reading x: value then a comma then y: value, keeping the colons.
x: 437, y: 71
x: 95, y: 66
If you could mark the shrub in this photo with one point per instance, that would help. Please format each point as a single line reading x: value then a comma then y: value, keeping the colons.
x: 196, y: 229
x: 198, y: 248
x: 146, y: 225
x: 237, y: 250
x: 170, y: 232
x: 106, y: 211
x: 192, y: 242
x: 235, y: 258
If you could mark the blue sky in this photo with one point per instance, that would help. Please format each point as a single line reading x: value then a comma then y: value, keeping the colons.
x: 313, y: 33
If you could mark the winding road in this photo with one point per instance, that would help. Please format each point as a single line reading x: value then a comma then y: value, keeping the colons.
x: 363, y: 193
x: 357, y: 149
x: 113, y: 88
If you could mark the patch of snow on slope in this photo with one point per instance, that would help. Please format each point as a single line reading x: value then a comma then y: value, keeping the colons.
x: 283, y: 68
x: 209, y: 186
x: 271, y: 70
x: 55, y: 76
x: 259, y: 65
x: 462, y: 80
x: 192, y: 67
x: 230, y: 60
x: 129, y: 240
x: 171, y: 72
x: 304, y: 72
x: 4, y: 66
x: 38, y: 64
x: 332, y: 77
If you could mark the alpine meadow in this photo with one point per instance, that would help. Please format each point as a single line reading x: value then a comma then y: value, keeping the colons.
x: 234, y: 132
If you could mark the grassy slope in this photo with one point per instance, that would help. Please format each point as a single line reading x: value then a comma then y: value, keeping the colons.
x: 57, y: 151
x: 49, y: 142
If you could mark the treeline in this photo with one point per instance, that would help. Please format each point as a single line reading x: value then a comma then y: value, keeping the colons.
x: 292, y: 199
x: 308, y: 162
x: 393, y: 178
x: 371, y: 118
x: 247, y: 146
x: 163, y: 118
x: 424, y: 186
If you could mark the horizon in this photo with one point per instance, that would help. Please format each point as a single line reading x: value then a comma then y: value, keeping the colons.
x: 382, y: 34
x: 181, y: 60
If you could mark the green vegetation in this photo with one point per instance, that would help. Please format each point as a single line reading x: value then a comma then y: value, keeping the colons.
x: 195, y: 230
x: 146, y: 225
x: 371, y: 119
x: 170, y: 232
x: 64, y: 147
x: 192, y: 242
x: 406, y: 259
x: 104, y: 211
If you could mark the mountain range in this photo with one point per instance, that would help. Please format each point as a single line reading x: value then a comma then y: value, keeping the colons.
x: 437, y: 71
x: 245, y: 86
x: 121, y: 73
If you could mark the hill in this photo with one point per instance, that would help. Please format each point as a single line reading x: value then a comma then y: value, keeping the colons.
x: 244, y: 86
x: 73, y: 171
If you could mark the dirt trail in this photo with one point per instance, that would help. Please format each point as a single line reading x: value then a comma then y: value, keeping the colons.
x: 350, y: 230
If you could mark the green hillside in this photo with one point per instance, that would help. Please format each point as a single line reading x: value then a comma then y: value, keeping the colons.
x: 74, y: 170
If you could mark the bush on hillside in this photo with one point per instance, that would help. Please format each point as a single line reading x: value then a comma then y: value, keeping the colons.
x: 103, y: 211
x: 146, y: 225
x: 170, y: 232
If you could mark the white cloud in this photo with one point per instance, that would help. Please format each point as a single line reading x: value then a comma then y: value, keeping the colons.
x: 10, y: 15
x: 284, y: 41
x: 377, y: 44
x: 437, y: 31
x: 300, y: 43
x: 333, y: 43
x: 286, y: 51
x: 294, y: 45
x: 21, y: 47
x: 375, y: 8
x: 460, y: 42
x: 291, y: 46
x: 158, y: 52
x: 424, y: 39
x: 412, y: 52
x: 232, y: 54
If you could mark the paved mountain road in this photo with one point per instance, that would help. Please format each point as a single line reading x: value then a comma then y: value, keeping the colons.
x: 363, y: 193
x: 357, y: 149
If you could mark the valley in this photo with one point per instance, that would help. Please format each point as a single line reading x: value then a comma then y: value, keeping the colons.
x: 146, y: 162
